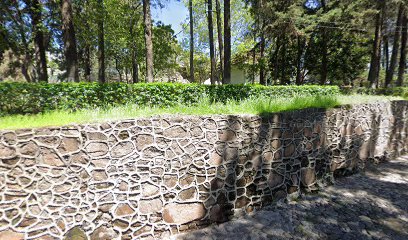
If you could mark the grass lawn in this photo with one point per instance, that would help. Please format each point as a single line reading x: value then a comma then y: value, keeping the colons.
x: 249, y: 106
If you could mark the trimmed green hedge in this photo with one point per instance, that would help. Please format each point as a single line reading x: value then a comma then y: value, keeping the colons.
x: 395, y: 91
x: 26, y: 98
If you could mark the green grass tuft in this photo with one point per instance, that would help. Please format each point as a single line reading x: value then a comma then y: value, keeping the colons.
x: 259, y: 106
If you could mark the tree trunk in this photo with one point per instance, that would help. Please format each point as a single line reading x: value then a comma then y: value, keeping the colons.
x: 227, y: 41
x: 25, y: 66
x: 118, y: 69
x: 254, y: 61
x: 101, y: 43
x: 283, y: 68
x: 190, y: 10
x: 133, y: 48
x: 126, y: 74
x: 70, y: 49
x: 211, y: 38
x: 220, y: 43
x: 395, y: 47
x: 403, y: 57
x: 135, y: 68
x: 87, y: 63
x: 40, y: 57
x: 324, y: 67
x: 147, y: 18
x: 262, y: 79
x: 376, y: 52
x: 386, y: 53
x: 300, y: 46
x: 276, y: 58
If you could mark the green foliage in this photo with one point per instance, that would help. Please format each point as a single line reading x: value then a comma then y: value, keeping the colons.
x: 253, y: 105
x: 166, y: 48
x: 23, y: 98
x: 324, y: 43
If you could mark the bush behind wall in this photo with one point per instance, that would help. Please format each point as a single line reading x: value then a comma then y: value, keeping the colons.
x: 26, y: 98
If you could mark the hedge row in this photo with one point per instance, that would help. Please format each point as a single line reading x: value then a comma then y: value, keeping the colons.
x: 25, y: 98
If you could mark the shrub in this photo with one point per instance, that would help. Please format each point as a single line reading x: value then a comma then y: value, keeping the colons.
x: 26, y: 98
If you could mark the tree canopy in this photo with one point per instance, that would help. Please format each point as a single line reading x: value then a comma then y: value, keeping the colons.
x: 328, y: 42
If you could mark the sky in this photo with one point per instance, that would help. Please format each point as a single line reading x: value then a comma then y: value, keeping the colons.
x: 174, y: 13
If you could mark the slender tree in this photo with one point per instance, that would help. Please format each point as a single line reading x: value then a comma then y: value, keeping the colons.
x: 386, y: 52
x: 403, y: 56
x: 101, y: 43
x: 300, y: 49
x: 260, y: 25
x: 84, y: 35
x: 35, y: 10
x: 395, y: 47
x: 147, y: 18
x: 70, y: 48
x: 324, y: 67
x: 211, y: 41
x: 262, y: 79
x: 219, y: 34
x: 190, y: 10
x: 227, y: 41
x: 135, y: 64
x: 376, y: 52
x: 87, y: 62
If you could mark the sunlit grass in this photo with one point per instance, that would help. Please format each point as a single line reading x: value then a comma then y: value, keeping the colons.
x: 249, y: 106
x: 359, y: 99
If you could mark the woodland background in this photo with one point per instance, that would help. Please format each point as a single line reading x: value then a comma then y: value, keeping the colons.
x: 326, y: 42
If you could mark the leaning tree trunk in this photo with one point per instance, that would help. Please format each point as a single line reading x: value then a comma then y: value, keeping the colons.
x: 227, y: 41
x: 211, y: 41
x: 190, y: 10
x: 70, y: 49
x: 395, y: 47
x: 39, y: 46
x: 147, y: 18
x: 403, y: 57
x: 219, y: 33
x: 101, y: 44
x: 373, y: 74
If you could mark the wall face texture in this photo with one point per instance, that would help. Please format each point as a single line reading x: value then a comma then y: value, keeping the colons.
x: 149, y: 178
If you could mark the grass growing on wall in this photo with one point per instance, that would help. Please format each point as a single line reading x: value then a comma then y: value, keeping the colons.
x: 202, y: 107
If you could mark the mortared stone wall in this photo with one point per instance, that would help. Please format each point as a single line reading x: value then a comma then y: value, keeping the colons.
x: 152, y: 177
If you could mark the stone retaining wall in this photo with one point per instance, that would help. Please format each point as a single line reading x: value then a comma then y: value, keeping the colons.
x: 150, y: 178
